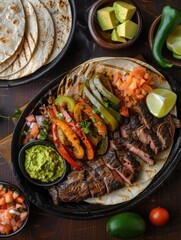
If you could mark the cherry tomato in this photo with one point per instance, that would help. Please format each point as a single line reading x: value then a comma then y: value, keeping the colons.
x: 159, y: 216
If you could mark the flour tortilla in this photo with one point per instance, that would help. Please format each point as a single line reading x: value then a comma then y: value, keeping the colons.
x: 45, y: 41
x: 109, y: 66
x: 12, y: 27
x: 29, y: 43
x: 60, y: 11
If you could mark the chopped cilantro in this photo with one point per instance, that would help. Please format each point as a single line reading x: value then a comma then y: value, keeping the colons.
x: 85, y: 130
x: 93, y: 120
x: 106, y: 104
x: 60, y: 116
x: 100, y: 123
x: 94, y: 110
x: 44, y: 122
x: 42, y: 135
x: 20, y: 209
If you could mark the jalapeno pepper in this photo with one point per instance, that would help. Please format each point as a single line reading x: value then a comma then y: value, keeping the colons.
x: 171, y: 17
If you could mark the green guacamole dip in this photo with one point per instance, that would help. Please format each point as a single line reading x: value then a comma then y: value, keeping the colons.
x: 43, y: 163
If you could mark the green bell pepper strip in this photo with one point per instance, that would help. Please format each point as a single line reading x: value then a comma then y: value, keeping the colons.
x: 108, y: 118
x: 65, y: 101
x: 171, y: 17
x: 103, y: 146
x: 97, y: 95
x: 107, y: 94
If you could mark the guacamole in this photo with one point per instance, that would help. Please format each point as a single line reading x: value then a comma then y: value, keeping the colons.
x: 43, y: 163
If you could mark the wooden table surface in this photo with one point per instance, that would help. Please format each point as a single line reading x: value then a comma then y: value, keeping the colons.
x: 45, y: 226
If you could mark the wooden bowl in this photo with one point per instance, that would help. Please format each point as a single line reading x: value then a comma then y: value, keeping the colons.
x: 166, y: 52
x: 103, y: 38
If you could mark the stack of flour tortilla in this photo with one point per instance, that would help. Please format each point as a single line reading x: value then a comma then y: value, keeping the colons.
x: 32, y: 33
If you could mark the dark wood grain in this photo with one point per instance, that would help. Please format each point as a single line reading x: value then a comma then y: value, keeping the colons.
x: 45, y: 226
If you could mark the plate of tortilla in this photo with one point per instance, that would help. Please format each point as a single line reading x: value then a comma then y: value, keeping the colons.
x: 44, y: 29
x: 118, y: 152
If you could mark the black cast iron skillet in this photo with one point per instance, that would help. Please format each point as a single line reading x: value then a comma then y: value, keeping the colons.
x: 39, y: 196
x: 47, y: 67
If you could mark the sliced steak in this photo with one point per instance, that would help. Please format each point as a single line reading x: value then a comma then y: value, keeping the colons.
x: 98, y: 180
x: 93, y: 186
x: 101, y: 168
x: 147, y: 136
x: 145, y: 116
x: 74, y: 192
x: 138, y: 148
x: 117, y: 160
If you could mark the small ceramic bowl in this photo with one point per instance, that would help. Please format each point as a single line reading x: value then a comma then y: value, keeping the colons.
x: 166, y: 52
x: 26, y: 205
x: 21, y: 161
x: 103, y: 38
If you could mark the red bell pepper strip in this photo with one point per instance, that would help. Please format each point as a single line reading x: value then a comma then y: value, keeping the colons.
x: 59, y: 146
x: 73, y: 124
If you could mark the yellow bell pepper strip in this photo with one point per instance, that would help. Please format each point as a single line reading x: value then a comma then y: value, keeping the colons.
x: 63, y: 150
x: 98, y: 122
x: 73, y: 124
x: 65, y: 101
x: 60, y: 148
x: 71, y: 136
x: 106, y: 115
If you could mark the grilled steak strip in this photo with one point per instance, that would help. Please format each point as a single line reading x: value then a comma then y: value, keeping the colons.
x: 126, y: 167
x: 141, y: 150
x: 99, y: 166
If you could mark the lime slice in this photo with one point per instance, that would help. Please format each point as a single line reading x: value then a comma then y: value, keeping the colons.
x: 174, y: 40
x: 160, y: 101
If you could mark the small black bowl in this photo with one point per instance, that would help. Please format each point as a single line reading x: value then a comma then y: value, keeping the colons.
x: 13, y: 187
x: 21, y: 160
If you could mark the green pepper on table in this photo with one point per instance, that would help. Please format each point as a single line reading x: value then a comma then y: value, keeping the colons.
x: 171, y: 17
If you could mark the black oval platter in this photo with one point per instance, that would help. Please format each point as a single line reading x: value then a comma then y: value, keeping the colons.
x: 39, y: 196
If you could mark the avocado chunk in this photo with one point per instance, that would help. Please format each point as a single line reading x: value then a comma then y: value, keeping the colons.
x: 123, y: 11
x: 127, y: 29
x: 115, y: 37
x: 106, y: 18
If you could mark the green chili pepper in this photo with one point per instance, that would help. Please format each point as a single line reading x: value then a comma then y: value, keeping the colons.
x: 171, y: 17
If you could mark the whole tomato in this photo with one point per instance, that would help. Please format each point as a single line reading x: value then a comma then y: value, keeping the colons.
x: 159, y: 216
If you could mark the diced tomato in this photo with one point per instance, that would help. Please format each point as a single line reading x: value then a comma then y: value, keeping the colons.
x: 2, y: 201
x: 19, y: 199
x: 9, y: 197
x: 12, y: 210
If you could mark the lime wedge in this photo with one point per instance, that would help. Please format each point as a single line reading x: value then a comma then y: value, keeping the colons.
x: 174, y: 40
x: 160, y: 102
